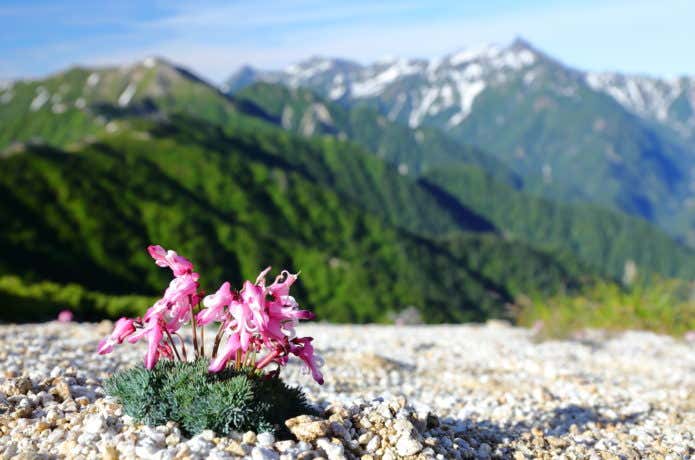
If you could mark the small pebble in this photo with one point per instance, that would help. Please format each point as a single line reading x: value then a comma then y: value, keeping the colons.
x: 249, y: 437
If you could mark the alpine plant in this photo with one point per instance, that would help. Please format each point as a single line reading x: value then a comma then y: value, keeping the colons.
x: 256, y: 325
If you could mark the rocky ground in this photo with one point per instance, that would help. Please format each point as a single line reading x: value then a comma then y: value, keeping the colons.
x: 465, y: 391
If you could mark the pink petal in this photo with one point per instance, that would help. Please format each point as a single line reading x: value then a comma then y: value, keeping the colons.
x: 158, y: 253
x: 140, y: 333
x: 182, y: 287
x: 154, y: 336
x: 281, y: 287
x: 224, y: 354
x: 105, y: 346
x: 123, y: 329
x: 179, y: 265
x: 163, y: 258
x: 305, y: 352
x: 214, y: 305
x: 260, y: 279
x: 244, y: 338
x: 254, y: 297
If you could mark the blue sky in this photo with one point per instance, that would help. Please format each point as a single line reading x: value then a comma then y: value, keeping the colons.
x: 213, y: 38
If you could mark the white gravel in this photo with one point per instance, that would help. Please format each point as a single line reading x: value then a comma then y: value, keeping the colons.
x: 466, y: 391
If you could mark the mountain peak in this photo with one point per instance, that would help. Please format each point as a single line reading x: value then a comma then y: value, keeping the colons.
x: 155, y: 61
x: 466, y: 55
x: 243, y: 77
x: 520, y: 43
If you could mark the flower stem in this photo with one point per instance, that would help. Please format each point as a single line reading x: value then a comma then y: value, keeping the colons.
x: 202, y: 341
x: 237, y: 363
x: 250, y: 358
x: 173, y: 345
x: 183, y: 347
x: 195, y: 332
x: 218, y: 338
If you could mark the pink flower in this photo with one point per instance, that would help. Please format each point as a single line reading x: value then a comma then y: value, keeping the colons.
x: 172, y: 315
x: 253, y: 297
x: 257, y: 324
x: 282, y: 288
x: 180, y: 288
x: 243, y: 324
x: 283, y: 316
x: 105, y: 346
x: 123, y: 328
x: 225, y: 353
x: 303, y: 349
x: 179, y: 313
x: 154, y: 337
x: 178, y: 264
x: 154, y: 331
x: 174, y: 308
x: 214, y: 305
x: 283, y: 311
x: 165, y: 350
x: 65, y: 316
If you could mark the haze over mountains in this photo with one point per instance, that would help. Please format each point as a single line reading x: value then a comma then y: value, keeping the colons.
x: 500, y: 171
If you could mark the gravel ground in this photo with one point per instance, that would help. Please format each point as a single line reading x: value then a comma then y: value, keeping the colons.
x: 466, y: 391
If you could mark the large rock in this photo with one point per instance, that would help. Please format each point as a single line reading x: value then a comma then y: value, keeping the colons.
x: 307, y: 427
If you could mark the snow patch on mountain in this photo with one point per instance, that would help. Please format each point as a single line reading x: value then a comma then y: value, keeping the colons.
x: 651, y: 98
x: 339, y: 89
x: 58, y: 108
x: 473, y: 54
x: 515, y: 60
x: 447, y: 94
x: 429, y: 95
x: 42, y: 96
x: 6, y: 87
x: 529, y: 77
x: 337, y: 92
x: 467, y: 93
x: 127, y: 95
x: 300, y: 72
x: 492, y: 57
x: 378, y: 82
x: 149, y: 62
x: 397, y: 107
x: 93, y: 79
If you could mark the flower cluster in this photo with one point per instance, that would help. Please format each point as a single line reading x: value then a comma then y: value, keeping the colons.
x: 256, y: 324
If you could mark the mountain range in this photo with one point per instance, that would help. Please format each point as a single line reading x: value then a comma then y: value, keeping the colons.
x: 622, y: 142
x: 382, y: 208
